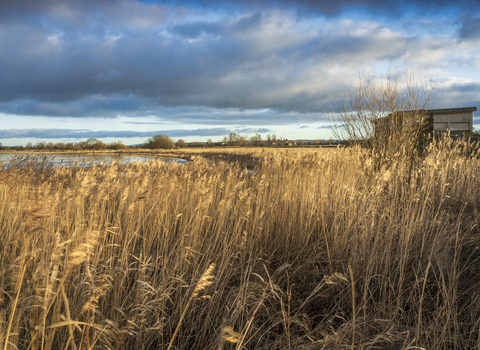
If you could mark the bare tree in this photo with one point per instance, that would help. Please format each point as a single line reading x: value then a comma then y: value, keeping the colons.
x: 234, y: 139
x: 388, y: 117
x: 256, y: 140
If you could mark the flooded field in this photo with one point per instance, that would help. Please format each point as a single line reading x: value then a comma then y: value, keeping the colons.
x: 67, y: 160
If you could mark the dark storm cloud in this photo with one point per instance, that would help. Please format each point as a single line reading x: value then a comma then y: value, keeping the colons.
x: 392, y: 8
x: 235, y: 117
x: 252, y: 130
x: 332, y: 8
x: 54, y: 76
x: 304, y: 7
x: 472, y: 87
x: 196, y: 29
x: 458, y: 95
x: 97, y: 105
x: 242, y: 26
x: 109, y: 58
x: 85, y: 134
x: 469, y: 26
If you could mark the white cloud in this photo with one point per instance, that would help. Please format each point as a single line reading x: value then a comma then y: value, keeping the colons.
x: 256, y: 64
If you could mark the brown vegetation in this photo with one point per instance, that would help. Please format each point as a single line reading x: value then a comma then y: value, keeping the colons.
x: 386, y: 116
x: 160, y: 141
x: 315, y: 250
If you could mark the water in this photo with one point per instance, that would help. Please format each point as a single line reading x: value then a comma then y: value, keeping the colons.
x: 63, y: 159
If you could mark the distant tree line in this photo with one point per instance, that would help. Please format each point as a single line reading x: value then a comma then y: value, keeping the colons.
x: 90, y: 144
x: 236, y: 140
x: 164, y: 142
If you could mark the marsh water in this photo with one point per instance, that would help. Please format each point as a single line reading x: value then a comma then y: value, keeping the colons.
x: 65, y: 159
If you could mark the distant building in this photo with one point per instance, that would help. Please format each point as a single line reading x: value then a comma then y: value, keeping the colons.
x: 455, y: 120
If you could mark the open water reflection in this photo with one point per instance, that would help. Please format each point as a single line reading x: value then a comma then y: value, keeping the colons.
x: 65, y: 159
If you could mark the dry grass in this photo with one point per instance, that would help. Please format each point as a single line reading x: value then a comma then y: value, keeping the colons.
x: 316, y: 250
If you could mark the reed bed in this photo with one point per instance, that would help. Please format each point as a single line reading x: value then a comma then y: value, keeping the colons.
x: 315, y: 250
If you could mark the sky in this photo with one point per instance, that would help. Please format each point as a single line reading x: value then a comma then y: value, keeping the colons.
x: 197, y: 70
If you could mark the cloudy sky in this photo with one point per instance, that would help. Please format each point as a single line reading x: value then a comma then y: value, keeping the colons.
x: 198, y: 70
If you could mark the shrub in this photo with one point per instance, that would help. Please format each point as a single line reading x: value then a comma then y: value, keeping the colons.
x: 181, y: 144
x: 160, y: 141
x: 117, y: 145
